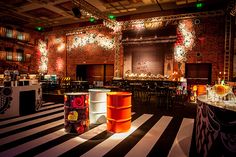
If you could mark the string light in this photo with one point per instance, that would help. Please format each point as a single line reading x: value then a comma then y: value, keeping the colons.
x: 115, y: 26
x: 43, y: 67
x: 99, y: 39
x: 88, y: 14
x: 138, y: 24
x: 180, y: 53
x: 185, y: 40
x: 186, y: 30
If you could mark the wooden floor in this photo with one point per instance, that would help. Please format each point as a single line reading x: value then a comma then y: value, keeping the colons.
x: 155, y: 131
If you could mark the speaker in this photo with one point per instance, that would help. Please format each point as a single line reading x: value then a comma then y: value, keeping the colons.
x: 6, y: 91
x: 76, y: 12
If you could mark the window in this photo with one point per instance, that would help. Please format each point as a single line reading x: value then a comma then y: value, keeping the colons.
x: 9, y: 56
x: 19, y: 35
x: 9, y: 53
x: 20, y: 55
x: 9, y: 32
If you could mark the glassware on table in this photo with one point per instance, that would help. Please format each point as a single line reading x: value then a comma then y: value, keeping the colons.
x: 221, y: 90
x: 209, y: 93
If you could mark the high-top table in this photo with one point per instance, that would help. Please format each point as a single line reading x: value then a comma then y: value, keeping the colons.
x: 215, y: 128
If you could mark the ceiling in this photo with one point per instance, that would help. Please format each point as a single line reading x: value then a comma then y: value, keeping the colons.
x: 49, y: 13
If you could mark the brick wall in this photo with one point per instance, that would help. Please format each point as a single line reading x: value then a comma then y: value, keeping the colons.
x: 91, y: 53
x: 30, y: 64
x: 209, y: 44
x: 209, y: 48
x: 57, y: 55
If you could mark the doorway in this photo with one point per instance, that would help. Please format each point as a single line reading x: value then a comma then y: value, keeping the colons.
x: 95, y: 72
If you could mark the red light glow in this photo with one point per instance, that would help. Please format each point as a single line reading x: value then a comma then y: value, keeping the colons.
x: 59, y: 64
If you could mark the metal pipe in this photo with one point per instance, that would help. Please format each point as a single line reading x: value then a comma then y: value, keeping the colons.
x: 159, y: 5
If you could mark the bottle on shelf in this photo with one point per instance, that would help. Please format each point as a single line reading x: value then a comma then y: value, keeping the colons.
x: 7, y: 78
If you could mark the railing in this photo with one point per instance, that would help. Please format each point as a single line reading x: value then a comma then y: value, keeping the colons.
x: 167, y: 93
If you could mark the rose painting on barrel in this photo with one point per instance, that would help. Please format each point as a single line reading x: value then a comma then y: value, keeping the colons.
x: 76, y: 112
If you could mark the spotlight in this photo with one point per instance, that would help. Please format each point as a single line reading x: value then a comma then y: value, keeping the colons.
x: 76, y: 12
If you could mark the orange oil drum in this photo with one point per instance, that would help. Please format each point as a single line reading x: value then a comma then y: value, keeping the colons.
x: 118, y: 111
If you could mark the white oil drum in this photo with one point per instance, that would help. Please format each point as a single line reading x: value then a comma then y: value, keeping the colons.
x: 98, y: 105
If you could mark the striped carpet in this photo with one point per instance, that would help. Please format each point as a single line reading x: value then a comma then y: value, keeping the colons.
x: 42, y: 134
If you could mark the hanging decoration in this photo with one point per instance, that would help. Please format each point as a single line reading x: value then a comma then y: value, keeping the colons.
x: 185, y: 40
x: 42, y: 47
x: 99, y: 39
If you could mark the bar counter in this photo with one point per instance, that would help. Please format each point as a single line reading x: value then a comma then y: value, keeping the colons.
x: 215, y: 128
x: 19, y: 100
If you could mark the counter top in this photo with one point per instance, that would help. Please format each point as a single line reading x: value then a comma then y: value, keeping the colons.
x: 215, y: 128
x: 229, y: 105
x: 19, y: 100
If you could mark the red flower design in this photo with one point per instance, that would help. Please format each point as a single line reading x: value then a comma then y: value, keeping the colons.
x: 80, y: 129
x: 77, y: 102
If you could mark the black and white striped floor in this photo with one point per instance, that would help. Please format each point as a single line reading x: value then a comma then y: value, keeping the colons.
x: 42, y: 134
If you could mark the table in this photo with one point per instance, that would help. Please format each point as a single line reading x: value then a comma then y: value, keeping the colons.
x: 215, y: 128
